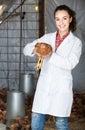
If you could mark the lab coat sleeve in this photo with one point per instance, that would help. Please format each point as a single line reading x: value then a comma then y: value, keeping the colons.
x: 28, y: 49
x: 70, y: 61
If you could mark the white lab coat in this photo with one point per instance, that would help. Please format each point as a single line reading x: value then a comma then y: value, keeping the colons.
x: 54, y: 95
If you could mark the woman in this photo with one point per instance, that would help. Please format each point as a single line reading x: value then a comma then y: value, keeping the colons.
x: 54, y: 95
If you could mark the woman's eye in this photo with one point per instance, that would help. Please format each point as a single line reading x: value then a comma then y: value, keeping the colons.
x: 65, y: 18
x: 56, y: 19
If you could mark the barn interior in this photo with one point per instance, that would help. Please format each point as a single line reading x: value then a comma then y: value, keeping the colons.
x: 21, y: 22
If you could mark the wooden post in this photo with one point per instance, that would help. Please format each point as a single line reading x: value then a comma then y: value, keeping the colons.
x: 41, y: 17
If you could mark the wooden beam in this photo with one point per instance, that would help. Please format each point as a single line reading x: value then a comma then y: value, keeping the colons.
x: 41, y: 17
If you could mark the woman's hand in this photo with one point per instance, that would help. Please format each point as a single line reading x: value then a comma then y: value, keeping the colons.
x: 35, y: 51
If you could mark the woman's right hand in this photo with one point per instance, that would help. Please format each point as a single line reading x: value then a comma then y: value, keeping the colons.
x: 35, y: 51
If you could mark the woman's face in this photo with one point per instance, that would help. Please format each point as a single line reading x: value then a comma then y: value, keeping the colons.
x: 62, y: 20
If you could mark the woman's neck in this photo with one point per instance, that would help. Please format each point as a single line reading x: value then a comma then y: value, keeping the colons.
x: 62, y: 34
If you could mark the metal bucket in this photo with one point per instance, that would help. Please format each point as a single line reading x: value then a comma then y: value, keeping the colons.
x: 15, y: 104
x: 27, y: 84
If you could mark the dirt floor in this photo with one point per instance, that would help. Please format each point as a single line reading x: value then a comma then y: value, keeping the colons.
x: 76, y: 120
x: 78, y: 124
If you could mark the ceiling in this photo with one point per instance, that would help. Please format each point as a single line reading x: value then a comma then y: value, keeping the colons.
x: 5, y: 5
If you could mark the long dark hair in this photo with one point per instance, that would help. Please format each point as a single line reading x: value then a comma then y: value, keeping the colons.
x: 71, y: 13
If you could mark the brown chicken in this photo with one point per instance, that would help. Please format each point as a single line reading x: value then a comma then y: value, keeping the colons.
x: 43, y: 49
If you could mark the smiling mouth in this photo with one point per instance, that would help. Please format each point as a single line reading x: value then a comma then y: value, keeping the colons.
x: 62, y: 26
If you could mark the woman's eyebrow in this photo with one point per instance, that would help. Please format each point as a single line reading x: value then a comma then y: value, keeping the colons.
x: 62, y: 17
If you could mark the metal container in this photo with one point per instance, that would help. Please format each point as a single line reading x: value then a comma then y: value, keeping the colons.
x: 15, y: 104
x: 27, y: 84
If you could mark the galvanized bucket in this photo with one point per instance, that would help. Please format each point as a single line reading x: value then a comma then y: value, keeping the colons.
x: 27, y: 84
x: 15, y: 104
